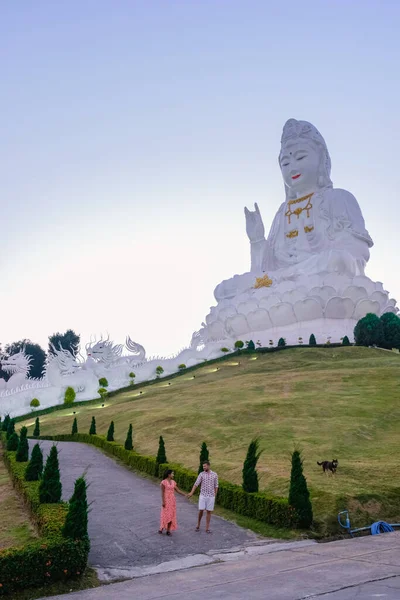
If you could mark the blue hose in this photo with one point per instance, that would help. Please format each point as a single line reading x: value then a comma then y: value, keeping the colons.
x: 380, y: 527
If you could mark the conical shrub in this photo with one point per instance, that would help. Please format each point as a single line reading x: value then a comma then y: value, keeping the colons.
x: 299, y: 496
x: 92, y: 430
x: 345, y: 341
x: 10, y: 428
x: 312, y: 341
x: 36, y: 431
x: 76, y: 522
x: 5, y: 423
x: 204, y: 456
x: 161, y: 455
x: 12, y: 442
x: 74, y: 427
x: 34, y: 469
x: 22, y: 454
x: 50, y: 485
x: 129, y: 441
x: 110, y: 432
x: 249, y: 472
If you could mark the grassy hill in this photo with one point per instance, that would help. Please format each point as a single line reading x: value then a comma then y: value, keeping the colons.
x: 339, y: 403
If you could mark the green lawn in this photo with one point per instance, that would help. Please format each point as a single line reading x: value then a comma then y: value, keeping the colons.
x: 339, y: 403
x: 15, y: 526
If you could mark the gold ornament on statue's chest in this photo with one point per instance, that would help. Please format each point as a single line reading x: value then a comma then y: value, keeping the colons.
x: 262, y: 282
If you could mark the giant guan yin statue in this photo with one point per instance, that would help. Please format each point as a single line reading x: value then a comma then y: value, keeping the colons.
x: 308, y: 275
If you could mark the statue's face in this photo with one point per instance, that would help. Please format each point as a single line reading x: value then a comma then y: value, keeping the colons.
x: 300, y: 165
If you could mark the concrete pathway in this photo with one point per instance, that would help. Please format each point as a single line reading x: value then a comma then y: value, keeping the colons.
x: 124, y: 517
x: 358, y: 569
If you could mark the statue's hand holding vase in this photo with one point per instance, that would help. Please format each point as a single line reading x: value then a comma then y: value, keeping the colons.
x: 254, y: 224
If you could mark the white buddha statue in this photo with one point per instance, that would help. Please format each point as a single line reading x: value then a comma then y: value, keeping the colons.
x: 311, y: 266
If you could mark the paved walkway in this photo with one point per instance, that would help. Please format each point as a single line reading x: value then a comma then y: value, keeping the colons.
x: 358, y: 569
x: 125, y: 512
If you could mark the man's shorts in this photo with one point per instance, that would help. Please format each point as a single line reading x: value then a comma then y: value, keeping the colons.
x: 206, y: 502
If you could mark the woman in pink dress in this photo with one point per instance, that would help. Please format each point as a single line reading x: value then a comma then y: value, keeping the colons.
x: 168, y: 502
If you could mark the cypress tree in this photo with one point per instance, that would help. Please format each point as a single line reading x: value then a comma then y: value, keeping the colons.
x: 249, y: 472
x: 110, y: 432
x: 161, y: 456
x: 204, y: 456
x: 281, y: 343
x: 23, y: 446
x: 74, y: 427
x: 76, y: 522
x: 10, y: 428
x: 128, y: 441
x: 92, y: 430
x: 34, y: 469
x: 36, y: 431
x: 299, y: 496
x: 345, y: 341
x: 312, y: 341
x: 12, y: 442
x: 4, y: 425
x: 50, y: 484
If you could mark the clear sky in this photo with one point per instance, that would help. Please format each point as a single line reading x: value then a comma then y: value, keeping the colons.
x: 134, y: 132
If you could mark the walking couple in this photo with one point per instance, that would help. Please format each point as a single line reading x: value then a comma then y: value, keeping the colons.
x: 208, y: 482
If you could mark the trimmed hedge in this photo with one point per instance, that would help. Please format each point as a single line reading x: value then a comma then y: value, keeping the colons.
x: 51, y: 558
x: 275, y: 511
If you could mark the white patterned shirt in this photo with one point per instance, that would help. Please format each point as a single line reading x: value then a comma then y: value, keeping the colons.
x: 208, y: 481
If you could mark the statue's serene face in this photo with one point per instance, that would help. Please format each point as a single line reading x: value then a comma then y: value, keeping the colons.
x: 300, y: 165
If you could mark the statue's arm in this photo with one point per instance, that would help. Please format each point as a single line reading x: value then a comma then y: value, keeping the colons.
x: 347, y: 215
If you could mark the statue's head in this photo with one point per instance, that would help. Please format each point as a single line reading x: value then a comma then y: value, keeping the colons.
x: 304, y: 159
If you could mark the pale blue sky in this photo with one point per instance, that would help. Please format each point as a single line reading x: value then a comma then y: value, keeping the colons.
x: 134, y: 132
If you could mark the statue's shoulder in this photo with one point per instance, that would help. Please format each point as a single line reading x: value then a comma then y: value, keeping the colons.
x: 337, y: 194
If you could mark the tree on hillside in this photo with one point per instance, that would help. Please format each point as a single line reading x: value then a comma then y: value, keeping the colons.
x: 391, y: 330
x: 345, y: 341
x: 249, y: 472
x: 74, y: 427
x: 369, y: 331
x: 299, y: 496
x: 68, y: 340
x: 129, y: 440
x: 34, y: 350
x: 204, y: 456
x: 110, y: 432
x: 34, y: 469
x: 23, y: 446
x: 312, y: 341
x: 36, y: 431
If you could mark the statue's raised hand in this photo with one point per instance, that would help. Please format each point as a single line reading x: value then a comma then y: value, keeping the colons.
x: 254, y: 225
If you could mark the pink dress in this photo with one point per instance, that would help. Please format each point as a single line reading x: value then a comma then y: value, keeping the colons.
x: 168, y: 514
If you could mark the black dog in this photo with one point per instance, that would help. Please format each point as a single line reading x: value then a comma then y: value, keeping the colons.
x: 329, y: 465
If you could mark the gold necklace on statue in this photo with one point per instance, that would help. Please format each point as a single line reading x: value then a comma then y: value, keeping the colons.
x: 297, y: 211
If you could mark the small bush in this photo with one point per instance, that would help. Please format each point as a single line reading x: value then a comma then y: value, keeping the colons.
x: 299, y: 496
x: 69, y: 396
x: 249, y: 472
x: 312, y: 341
x: 345, y: 341
x: 22, y: 454
x: 103, y: 393
x: 281, y: 343
x: 34, y: 403
x: 103, y: 382
x: 50, y: 484
x: 34, y: 469
x: 161, y: 456
x: 10, y: 428
x: 181, y: 367
x: 36, y: 431
x: 239, y: 344
x: 76, y: 522
x: 204, y: 456
x: 129, y: 440
x: 12, y: 442
x: 132, y: 375
x: 110, y: 432
x: 159, y: 371
x: 74, y: 427
x: 5, y: 423
x: 92, y: 430
x: 251, y: 346
x: 224, y: 349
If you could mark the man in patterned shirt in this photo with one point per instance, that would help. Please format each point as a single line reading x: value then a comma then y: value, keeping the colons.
x: 208, y: 482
